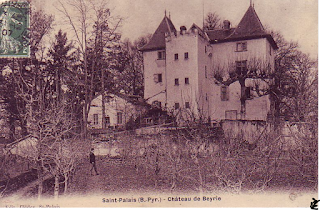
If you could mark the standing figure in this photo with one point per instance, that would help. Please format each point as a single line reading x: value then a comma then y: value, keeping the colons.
x: 93, y: 162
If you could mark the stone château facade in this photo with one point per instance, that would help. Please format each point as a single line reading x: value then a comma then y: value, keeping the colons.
x: 193, y: 72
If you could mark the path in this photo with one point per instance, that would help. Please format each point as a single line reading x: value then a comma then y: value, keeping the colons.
x: 115, y: 175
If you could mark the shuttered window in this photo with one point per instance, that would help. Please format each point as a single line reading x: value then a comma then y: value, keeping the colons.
x: 224, y: 93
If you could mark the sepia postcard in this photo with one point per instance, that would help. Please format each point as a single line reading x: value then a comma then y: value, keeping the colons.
x: 159, y: 103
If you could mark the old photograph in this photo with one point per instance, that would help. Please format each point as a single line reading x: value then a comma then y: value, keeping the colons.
x: 167, y: 103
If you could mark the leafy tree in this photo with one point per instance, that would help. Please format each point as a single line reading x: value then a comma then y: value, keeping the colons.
x: 129, y: 78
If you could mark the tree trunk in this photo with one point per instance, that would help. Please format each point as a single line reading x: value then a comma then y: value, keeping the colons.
x: 86, y: 104
x: 12, y: 127
x: 200, y: 178
x: 56, y: 187
x: 243, y: 98
x: 275, y: 109
x: 58, y: 84
x: 65, y: 184
x: 40, y: 186
x: 103, y: 100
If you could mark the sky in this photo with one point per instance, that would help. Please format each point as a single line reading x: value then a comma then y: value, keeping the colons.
x: 297, y: 20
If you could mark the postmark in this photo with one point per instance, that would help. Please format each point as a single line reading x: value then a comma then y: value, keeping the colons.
x: 14, y: 28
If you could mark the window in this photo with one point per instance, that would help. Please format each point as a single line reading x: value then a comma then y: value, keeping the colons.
x: 187, y: 104
x: 186, y: 81
x: 241, y: 46
x: 248, y: 92
x: 206, y: 96
x: 95, y: 119
x: 176, y: 106
x: 161, y: 55
x: 224, y: 93
x: 205, y: 72
x: 107, y: 120
x: 205, y: 49
x: 157, y: 78
x: 270, y: 49
x: 176, y: 81
x: 176, y: 56
x: 231, y: 114
x: 148, y: 121
x: 186, y: 55
x: 119, y: 118
x: 241, y: 67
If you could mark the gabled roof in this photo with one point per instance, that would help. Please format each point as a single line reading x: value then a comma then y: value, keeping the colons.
x: 200, y: 31
x: 157, y: 40
x: 250, y: 27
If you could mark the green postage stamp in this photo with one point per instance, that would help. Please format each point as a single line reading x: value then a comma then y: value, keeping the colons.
x: 14, y: 29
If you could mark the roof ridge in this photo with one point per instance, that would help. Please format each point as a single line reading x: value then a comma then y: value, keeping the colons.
x: 168, y: 24
x: 255, y: 13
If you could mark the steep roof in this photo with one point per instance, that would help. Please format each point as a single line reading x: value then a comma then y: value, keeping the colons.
x: 200, y: 31
x: 157, y: 40
x: 250, y: 27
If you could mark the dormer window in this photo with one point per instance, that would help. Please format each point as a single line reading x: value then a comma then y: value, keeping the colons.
x: 241, y: 46
x: 161, y: 55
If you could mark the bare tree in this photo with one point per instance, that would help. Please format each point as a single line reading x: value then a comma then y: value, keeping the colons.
x: 261, y: 72
x: 294, y: 91
x: 212, y: 21
x: 130, y: 63
x: 93, y: 28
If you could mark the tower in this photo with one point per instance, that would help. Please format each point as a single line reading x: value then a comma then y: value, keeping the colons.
x: 197, y: 71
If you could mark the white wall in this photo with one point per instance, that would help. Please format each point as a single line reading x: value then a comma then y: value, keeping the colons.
x: 181, y: 69
x: 224, y: 55
x: 154, y: 66
x: 113, y: 106
x: 204, y: 66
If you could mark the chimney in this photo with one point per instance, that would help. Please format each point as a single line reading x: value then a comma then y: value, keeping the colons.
x: 182, y: 29
x: 226, y: 24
